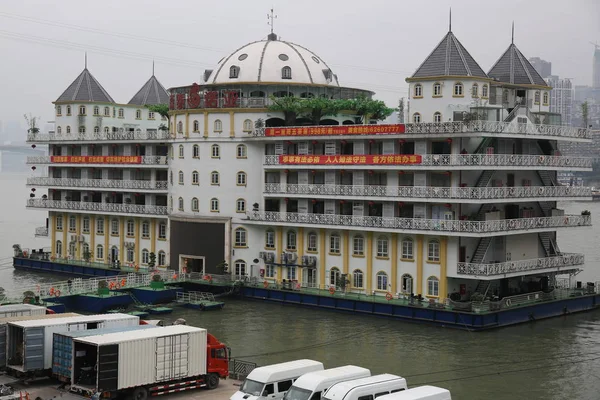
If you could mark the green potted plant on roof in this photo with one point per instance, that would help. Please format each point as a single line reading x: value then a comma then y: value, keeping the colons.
x: 103, y: 289
x: 151, y: 260
x: 87, y: 255
x: 157, y: 282
x: 29, y: 297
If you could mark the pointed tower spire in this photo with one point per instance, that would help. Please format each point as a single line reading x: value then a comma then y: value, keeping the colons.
x: 512, y: 40
x: 85, y: 62
x: 450, y: 22
x: 152, y: 67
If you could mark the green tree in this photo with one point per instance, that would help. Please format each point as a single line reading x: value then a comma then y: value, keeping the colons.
x: 87, y: 255
x: 585, y: 113
x: 32, y: 123
x: 151, y: 260
x: 290, y: 107
x: 316, y: 108
x: 162, y: 109
x: 367, y: 109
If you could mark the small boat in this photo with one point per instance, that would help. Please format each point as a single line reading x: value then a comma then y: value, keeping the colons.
x: 160, y: 310
x: 199, y: 301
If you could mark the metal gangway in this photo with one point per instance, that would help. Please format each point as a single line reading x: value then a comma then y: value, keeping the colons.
x: 194, y: 297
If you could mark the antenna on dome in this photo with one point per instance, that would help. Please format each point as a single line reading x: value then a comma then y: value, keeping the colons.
x: 450, y: 21
x: 512, y: 40
x: 85, y: 60
x: 271, y: 22
x: 152, y: 67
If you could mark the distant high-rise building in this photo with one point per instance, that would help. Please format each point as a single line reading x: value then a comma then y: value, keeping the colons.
x: 596, y: 69
x: 561, y: 98
x: 543, y: 67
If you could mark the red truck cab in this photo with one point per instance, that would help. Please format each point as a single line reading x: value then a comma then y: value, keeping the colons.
x: 217, y: 358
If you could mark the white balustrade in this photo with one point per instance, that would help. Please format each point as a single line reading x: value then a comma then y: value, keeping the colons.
x: 443, y: 193
x: 98, y: 183
x: 145, y: 160
x: 100, y: 136
x: 92, y: 206
x: 422, y: 224
x: 511, y: 267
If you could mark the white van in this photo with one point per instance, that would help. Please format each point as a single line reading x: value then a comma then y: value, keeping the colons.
x: 366, y: 388
x: 419, y: 393
x: 313, y: 384
x: 272, y: 381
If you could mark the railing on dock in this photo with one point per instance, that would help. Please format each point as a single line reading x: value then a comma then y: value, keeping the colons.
x: 240, y: 369
x: 194, y: 297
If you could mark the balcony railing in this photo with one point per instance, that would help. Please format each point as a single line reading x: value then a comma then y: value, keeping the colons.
x: 41, y: 231
x: 145, y: 160
x: 102, y: 207
x: 427, y: 192
x: 481, y: 127
x: 100, y: 136
x: 469, y: 161
x: 464, y: 227
x: 512, y: 267
x: 98, y: 183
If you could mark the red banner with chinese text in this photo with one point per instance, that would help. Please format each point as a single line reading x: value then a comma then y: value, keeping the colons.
x: 390, y: 159
x: 96, y: 159
x: 337, y: 130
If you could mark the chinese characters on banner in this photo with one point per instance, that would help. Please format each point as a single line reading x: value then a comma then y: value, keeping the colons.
x: 390, y: 159
x: 96, y: 159
x: 337, y: 130
x: 208, y: 99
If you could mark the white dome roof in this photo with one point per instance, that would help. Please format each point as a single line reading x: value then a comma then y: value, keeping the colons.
x: 263, y: 61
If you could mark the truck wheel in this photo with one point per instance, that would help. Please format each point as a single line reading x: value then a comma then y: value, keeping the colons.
x: 212, y: 381
x: 140, y: 393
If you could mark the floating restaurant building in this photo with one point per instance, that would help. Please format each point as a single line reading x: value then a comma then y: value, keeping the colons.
x: 460, y: 200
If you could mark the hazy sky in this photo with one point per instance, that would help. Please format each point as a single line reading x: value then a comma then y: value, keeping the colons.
x: 370, y: 44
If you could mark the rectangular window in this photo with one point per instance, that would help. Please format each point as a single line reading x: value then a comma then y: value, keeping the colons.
x: 270, y: 271
x: 130, y: 228
x: 433, y: 287
x: 433, y: 251
x: 162, y: 231
x: 407, y: 250
x: 100, y: 227
x: 382, y: 248
x: 150, y: 114
x: 59, y: 223
x: 114, y: 227
x: 145, y: 230
x: 312, y: 242
x: 284, y: 386
x: 86, y: 225
x: 291, y: 273
x: 270, y: 240
x: 334, y: 244
x: 99, y: 252
x: 358, y: 248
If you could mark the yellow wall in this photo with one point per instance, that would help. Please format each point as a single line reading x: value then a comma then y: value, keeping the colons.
x: 394, y: 263
x: 106, y: 239
x: 419, y: 281
x: 187, y: 126
x: 279, y: 249
x: 137, y: 250
x: 205, y: 124
x: 78, y: 245
x: 153, y: 236
x: 346, y: 252
x: 323, y: 258
x: 369, y: 262
x: 443, y: 267
x: 231, y: 124
x: 300, y: 253
x: 93, y: 236
x: 65, y: 244
x: 122, y: 240
x: 52, y: 228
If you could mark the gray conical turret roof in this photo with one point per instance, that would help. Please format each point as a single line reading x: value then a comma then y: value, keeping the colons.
x: 449, y: 58
x: 85, y: 88
x: 512, y: 67
x: 151, y: 93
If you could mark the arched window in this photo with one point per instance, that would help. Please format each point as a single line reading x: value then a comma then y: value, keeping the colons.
x: 291, y: 240
x: 68, y: 110
x: 195, y: 205
x: 130, y: 255
x: 505, y: 97
x: 130, y: 227
x: 417, y: 118
x: 546, y: 98
x: 218, y: 125
x: 537, y: 97
x: 145, y: 229
x: 358, y: 245
x: 82, y: 130
x: 484, y: 91
x: 214, y: 178
x: 58, y: 110
x: 334, y: 276
x: 269, y: 239
x: 241, y: 179
x: 357, y: 278
x: 437, y: 89
x: 195, y: 178
x: 215, y: 151
x: 106, y: 130
x: 214, y: 205
x: 383, y: 247
x: 418, y: 90
x: 181, y: 153
x: 86, y: 224
x: 241, y: 151
x: 407, y: 249
x: 382, y: 281
x: 121, y: 113
x: 145, y: 256
x: 334, y: 243
x: 96, y: 129
x: 437, y: 117
x: 406, y: 284
x: 162, y: 230
x: 138, y: 114
x: 311, y: 242
x: 180, y: 204
x: 247, y: 125
x: 458, y: 89
x: 240, y: 206
x: 196, y: 126
x: 96, y: 110
x: 196, y: 151
x: 433, y: 251
x: 72, y: 223
x: 59, y: 249
x: 59, y: 130
x: 162, y: 258
x: 68, y: 129
x: 286, y: 73
x: 240, y: 268
x: 82, y: 110
x: 99, y: 252
x: 433, y: 286
x: 475, y: 90
x: 241, y: 237
x: 181, y: 177
x: 107, y: 111
x: 180, y: 127
x: 234, y: 71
